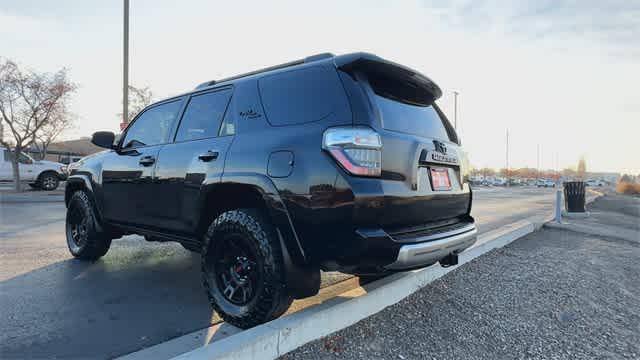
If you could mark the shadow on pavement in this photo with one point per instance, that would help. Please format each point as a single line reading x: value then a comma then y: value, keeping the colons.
x: 126, y: 301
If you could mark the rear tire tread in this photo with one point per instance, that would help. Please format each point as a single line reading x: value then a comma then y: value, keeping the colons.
x: 273, y: 300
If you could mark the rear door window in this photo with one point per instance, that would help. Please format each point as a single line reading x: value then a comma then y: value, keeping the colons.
x: 203, y: 115
x: 300, y: 96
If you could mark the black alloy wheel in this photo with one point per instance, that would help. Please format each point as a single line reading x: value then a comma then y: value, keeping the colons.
x: 84, y: 239
x: 243, y: 269
x: 236, y: 271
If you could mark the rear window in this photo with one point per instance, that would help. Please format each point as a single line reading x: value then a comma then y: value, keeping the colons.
x: 300, y: 96
x: 411, y: 119
x: 408, y: 108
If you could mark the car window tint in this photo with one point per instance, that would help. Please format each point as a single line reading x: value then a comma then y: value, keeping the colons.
x: 300, y: 96
x: 411, y: 119
x: 22, y: 159
x: 202, y: 117
x: 153, y: 126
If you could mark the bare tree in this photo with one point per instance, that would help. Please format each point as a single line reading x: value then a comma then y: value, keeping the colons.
x: 30, y: 103
x: 51, y: 131
x: 139, y: 98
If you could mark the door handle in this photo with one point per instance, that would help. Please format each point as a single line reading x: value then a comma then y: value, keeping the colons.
x: 147, y: 161
x: 208, y: 156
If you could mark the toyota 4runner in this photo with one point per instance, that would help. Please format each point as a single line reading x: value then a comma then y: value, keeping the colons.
x: 340, y: 163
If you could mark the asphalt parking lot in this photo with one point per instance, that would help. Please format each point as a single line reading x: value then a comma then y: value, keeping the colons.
x: 554, y: 294
x: 141, y: 293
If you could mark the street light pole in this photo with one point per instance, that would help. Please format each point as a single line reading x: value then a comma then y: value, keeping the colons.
x: 125, y: 76
x: 507, y: 156
x: 538, y: 162
x: 455, y: 110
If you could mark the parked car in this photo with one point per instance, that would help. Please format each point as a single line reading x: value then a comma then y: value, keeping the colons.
x: 592, y: 182
x: 39, y: 174
x: 545, y: 183
x: 278, y: 173
x: 515, y: 182
x: 499, y: 182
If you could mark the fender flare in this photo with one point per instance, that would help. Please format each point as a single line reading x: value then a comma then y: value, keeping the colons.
x: 275, y: 207
x: 77, y: 179
x: 84, y: 182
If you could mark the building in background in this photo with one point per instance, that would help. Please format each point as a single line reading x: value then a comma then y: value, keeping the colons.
x: 68, y: 151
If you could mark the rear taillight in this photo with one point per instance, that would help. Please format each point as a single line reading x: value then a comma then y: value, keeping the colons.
x: 356, y: 149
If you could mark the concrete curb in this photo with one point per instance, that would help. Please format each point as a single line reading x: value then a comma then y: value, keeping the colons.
x: 276, y: 338
x: 597, y: 230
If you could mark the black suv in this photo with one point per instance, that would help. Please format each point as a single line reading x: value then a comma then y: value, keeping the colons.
x: 331, y: 162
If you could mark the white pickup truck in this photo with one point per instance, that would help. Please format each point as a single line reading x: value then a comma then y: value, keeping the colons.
x: 43, y: 174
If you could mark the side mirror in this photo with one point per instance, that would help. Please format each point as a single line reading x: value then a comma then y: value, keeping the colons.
x: 103, y: 139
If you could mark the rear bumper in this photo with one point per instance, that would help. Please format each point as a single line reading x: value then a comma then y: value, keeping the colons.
x: 430, y: 251
x: 367, y: 225
x: 376, y: 250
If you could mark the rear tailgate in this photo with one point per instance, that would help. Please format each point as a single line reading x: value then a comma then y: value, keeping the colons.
x: 421, y: 159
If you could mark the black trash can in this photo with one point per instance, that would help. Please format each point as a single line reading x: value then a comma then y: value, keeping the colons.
x: 574, y: 194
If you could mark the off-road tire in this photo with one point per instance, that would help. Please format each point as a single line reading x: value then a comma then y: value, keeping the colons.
x: 97, y: 243
x: 271, y: 298
x: 48, y: 181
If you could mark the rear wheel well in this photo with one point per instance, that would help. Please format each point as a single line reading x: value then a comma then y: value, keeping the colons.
x: 302, y: 280
x: 225, y: 197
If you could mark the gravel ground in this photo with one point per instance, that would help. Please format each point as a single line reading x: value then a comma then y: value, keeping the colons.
x: 554, y: 294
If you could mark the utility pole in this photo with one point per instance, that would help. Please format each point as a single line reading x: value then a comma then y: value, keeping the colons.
x: 538, y: 162
x: 557, y: 167
x: 125, y: 76
x: 507, y: 168
x: 455, y: 110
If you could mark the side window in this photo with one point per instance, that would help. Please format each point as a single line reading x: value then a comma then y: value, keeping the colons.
x: 22, y: 159
x: 300, y: 96
x: 203, y: 115
x: 153, y: 126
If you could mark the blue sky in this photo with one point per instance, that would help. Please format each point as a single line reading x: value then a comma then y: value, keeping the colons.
x: 559, y: 74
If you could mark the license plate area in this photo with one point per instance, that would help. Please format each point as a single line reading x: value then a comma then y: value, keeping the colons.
x: 439, y: 179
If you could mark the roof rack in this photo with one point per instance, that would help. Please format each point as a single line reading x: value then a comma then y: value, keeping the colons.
x: 308, y: 59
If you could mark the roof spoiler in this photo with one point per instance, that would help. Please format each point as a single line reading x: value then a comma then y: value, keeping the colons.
x: 370, y: 63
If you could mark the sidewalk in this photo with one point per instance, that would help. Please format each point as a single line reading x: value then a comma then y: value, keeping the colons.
x: 555, y: 293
